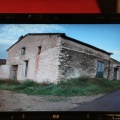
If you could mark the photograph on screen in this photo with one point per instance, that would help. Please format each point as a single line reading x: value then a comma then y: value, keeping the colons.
x: 59, y: 67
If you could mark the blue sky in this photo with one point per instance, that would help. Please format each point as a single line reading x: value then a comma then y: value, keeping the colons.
x: 103, y: 36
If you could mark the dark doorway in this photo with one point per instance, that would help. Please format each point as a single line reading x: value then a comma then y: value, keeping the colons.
x: 100, y: 69
x: 115, y: 73
x: 14, y: 71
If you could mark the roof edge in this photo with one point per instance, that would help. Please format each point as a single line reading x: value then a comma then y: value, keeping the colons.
x: 21, y: 37
x: 88, y: 45
x: 64, y: 36
x: 115, y: 60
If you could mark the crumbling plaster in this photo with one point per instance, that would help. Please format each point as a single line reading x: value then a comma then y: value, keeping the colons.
x: 41, y: 68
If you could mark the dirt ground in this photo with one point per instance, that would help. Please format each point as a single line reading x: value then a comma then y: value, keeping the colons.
x: 11, y: 101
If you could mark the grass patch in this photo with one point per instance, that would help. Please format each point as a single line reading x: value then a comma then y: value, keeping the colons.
x: 72, y: 87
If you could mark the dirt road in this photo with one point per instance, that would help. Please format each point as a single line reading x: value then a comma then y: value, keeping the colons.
x: 11, y: 101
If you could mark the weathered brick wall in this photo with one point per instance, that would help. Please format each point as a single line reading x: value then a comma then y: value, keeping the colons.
x: 43, y: 67
x: 78, y: 60
x: 4, y: 71
x: 114, y: 64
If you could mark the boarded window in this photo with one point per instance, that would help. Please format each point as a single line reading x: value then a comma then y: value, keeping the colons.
x: 25, y: 68
x: 39, y: 49
x: 100, y: 69
x: 23, y: 50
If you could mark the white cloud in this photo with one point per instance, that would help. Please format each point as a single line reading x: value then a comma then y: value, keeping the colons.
x: 14, y: 31
x: 116, y: 58
x: 116, y: 52
x: 116, y: 55
x: 7, y: 42
x: 9, y: 33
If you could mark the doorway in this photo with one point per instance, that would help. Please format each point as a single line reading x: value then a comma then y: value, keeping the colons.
x: 115, y: 73
x: 100, y: 69
x: 14, y: 71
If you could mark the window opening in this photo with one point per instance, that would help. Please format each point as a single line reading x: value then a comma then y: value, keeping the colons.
x: 39, y: 49
x: 23, y: 50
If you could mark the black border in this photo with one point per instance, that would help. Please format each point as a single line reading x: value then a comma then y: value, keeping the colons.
x: 18, y: 18
x: 58, y: 19
x: 61, y: 115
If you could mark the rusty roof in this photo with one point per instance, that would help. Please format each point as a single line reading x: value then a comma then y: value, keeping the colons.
x: 63, y: 35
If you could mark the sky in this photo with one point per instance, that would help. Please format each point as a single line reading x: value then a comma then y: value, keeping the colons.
x: 103, y: 36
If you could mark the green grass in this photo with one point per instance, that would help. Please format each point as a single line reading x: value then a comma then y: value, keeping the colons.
x: 72, y: 87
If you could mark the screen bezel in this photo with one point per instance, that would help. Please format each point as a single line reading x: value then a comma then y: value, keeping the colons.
x: 59, y: 19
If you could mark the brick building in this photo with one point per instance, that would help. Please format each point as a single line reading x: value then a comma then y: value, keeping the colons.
x: 50, y: 57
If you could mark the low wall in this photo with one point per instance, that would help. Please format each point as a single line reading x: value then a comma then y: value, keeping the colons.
x: 4, y: 71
